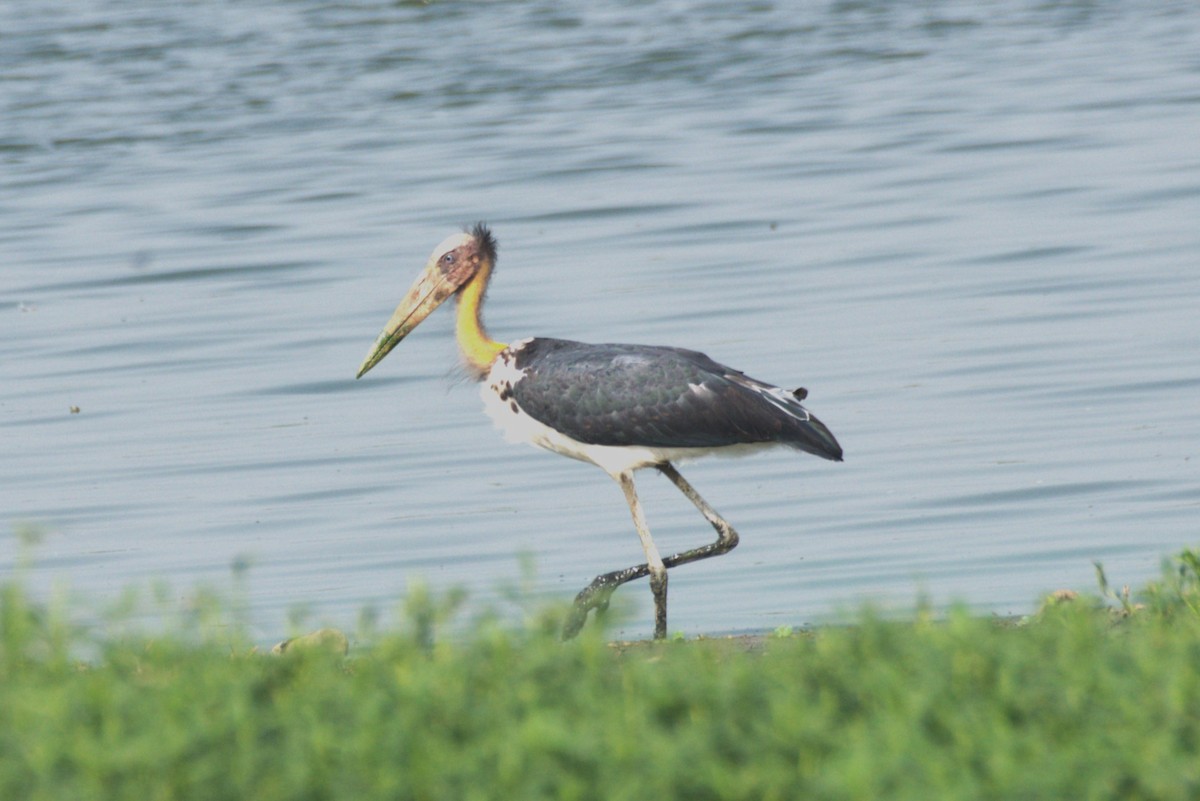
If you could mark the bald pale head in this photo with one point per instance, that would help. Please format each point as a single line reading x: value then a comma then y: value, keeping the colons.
x: 451, y: 244
x: 451, y: 266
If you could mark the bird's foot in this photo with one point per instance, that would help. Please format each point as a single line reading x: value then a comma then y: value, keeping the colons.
x: 594, y: 596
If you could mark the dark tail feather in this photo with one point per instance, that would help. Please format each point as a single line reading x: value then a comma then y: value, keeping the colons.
x: 793, y: 424
x: 813, y: 437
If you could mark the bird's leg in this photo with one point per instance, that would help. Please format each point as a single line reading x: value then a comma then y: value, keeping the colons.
x: 727, y: 538
x: 658, y: 571
x: 596, y: 595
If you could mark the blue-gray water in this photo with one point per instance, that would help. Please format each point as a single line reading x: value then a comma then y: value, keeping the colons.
x: 971, y: 229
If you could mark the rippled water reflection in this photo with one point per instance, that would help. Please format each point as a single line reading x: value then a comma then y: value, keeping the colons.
x: 969, y: 229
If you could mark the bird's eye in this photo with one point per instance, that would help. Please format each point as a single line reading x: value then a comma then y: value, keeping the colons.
x: 448, y: 258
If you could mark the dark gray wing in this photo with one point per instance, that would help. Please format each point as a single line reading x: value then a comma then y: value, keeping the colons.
x: 658, y: 397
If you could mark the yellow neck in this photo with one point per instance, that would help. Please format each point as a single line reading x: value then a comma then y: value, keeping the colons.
x: 477, y: 347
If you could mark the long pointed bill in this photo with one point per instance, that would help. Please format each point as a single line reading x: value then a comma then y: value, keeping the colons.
x: 430, y: 290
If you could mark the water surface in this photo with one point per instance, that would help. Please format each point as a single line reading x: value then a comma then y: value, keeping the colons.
x: 969, y: 229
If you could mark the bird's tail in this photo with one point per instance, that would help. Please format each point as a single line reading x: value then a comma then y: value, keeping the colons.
x: 800, y: 428
x: 813, y: 436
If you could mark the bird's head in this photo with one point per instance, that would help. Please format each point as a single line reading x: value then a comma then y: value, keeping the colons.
x: 453, y: 265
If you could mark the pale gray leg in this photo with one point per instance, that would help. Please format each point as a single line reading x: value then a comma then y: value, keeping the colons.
x: 596, y: 595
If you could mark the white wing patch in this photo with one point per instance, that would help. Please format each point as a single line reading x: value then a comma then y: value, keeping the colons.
x: 780, y: 398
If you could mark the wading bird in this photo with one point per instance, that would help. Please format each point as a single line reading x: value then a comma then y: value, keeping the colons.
x: 620, y: 407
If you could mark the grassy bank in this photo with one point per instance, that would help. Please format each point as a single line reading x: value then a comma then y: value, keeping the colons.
x: 1091, y: 699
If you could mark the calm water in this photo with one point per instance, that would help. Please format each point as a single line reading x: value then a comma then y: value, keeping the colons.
x: 972, y: 230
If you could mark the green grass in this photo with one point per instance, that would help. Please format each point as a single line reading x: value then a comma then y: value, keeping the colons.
x: 1089, y: 699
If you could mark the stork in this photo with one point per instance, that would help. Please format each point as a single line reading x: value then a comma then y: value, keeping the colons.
x: 620, y: 407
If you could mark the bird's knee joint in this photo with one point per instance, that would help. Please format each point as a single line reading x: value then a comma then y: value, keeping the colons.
x: 658, y: 581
